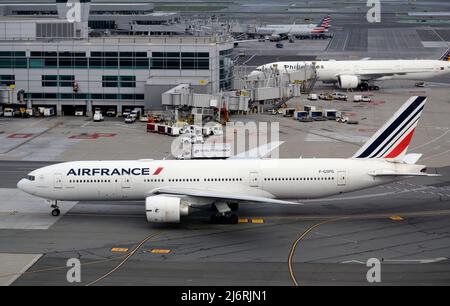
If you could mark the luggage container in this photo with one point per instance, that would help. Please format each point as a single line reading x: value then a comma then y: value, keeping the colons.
x: 152, y: 127
x: 300, y: 114
x: 309, y: 108
x: 162, y: 129
x: 288, y: 112
x: 315, y: 114
x: 330, y: 114
x: 173, y: 130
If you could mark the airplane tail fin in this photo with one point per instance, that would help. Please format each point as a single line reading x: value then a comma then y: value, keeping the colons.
x: 325, y: 22
x: 391, y: 141
x: 446, y: 56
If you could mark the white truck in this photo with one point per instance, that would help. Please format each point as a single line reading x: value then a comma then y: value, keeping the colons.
x: 98, y: 116
x: 48, y: 112
x: 136, y: 113
x: 8, y: 112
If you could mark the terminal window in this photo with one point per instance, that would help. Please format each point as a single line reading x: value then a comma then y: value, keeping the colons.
x: 7, y: 80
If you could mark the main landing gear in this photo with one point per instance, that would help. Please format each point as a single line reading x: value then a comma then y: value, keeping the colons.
x: 224, y: 218
x: 55, y: 212
x: 225, y: 213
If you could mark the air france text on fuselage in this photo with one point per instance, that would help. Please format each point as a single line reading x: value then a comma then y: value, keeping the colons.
x: 108, y: 172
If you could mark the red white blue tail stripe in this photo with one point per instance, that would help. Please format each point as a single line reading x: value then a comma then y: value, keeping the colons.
x: 393, y: 139
x: 446, y: 56
x: 322, y: 25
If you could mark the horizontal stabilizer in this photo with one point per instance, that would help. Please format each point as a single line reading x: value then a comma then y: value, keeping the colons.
x: 393, y: 173
x: 412, y: 158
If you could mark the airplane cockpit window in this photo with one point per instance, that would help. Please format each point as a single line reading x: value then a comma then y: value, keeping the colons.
x: 31, y: 177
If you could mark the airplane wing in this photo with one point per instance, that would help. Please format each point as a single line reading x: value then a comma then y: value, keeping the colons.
x: 217, y: 195
x: 259, y: 152
x: 244, y: 41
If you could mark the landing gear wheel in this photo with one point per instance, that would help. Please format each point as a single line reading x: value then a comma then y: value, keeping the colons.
x: 56, y: 212
x: 233, y: 219
x: 215, y: 218
x: 227, y: 218
x: 233, y: 206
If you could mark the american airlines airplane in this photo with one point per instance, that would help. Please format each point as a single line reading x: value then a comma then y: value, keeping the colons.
x: 295, y: 29
x: 352, y: 74
x: 172, y: 188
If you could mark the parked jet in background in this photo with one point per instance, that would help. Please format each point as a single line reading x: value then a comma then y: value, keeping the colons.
x: 285, y: 30
x: 171, y: 188
x: 352, y: 74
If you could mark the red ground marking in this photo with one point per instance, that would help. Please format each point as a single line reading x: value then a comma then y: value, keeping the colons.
x: 20, y: 135
x: 107, y: 135
x: 369, y: 130
x: 377, y: 102
x: 92, y: 136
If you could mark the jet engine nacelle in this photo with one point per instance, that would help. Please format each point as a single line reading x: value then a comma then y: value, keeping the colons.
x: 164, y: 209
x: 348, y: 81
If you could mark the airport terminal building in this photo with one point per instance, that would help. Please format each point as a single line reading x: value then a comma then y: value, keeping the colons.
x: 48, y: 61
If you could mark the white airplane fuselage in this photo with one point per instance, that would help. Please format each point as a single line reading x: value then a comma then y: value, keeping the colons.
x: 271, y: 178
x: 287, y: 30
x: 329, y: 71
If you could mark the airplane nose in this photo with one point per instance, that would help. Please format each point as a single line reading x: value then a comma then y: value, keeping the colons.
x: 22, y: 185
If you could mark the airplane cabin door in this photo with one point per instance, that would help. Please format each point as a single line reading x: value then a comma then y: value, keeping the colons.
x: 126, y: 181
x: 57, y: 181
x: 341, y: 178
x: 254, y: 179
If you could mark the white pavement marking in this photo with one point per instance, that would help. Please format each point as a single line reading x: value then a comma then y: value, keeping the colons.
x: 435, y: 155
x: 421, y: 261
x: 353, y: 261
x: 14, y: 265
x: 431, y: 141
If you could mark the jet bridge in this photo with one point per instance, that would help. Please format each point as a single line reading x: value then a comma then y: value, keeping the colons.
x: 182, y: 97
x: 274, y: 84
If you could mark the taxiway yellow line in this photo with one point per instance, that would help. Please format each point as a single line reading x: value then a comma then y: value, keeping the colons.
x: 296, y: 242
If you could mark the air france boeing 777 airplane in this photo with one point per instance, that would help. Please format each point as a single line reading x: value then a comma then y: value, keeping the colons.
x: 171, y: 188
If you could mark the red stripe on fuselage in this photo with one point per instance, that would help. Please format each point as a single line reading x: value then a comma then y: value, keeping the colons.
x: 401, y: 146
x: 158, y: 171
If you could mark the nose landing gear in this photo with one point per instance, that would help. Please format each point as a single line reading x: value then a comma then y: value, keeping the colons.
x: 55, y: 212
